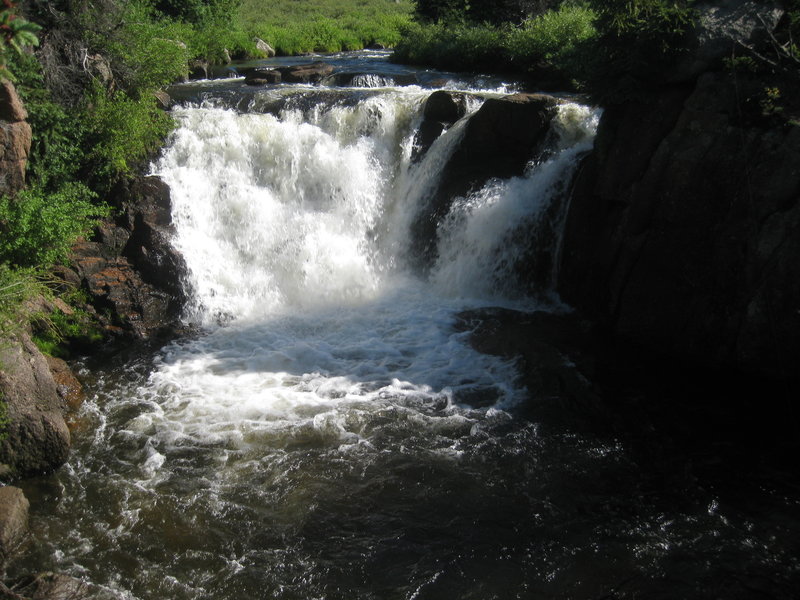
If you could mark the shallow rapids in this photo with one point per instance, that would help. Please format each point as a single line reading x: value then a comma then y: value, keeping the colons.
x: 327, y: 432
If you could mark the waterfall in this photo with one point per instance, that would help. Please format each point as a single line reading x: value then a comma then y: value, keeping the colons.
x: 312, y: 208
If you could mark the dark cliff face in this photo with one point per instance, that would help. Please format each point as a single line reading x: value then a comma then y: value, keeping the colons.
x: 683, y: 234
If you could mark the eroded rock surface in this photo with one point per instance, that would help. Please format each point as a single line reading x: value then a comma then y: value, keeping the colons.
x: 684, y: 231
x: 37, y: 439
x: 499, y: 140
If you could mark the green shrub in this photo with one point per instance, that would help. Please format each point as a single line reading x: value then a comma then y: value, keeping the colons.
x: 57, y: 332
x: 39, y: 227
x: 553, y: 36
x: 148, y: 53
x: 456, y: 47
x: 638, y: 40
x: 293, y: 27
x: 121, y: 132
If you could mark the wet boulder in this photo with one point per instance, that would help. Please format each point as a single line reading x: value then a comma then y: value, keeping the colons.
x: 500, y: 139
x: 198, y: 69
x: 445, y: 107
x: 306, y: 73
x: 262, y: 76
x: 13, y: 520
x: 130, y: 269
x: 442, y: 109
x: 36, y: 437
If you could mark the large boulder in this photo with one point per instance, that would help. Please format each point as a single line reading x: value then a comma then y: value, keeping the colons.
x: 306, y: 73
x: 133, y: 274
x: 499, y: 140
x: 445, y: 107
x: 683, y: 234
x: 442, y: 108
x: 147, y: 213
x: 264, y: 47
x: 15, y: 140
x: 36, y: 438
x: 262, y: 76
x: 13, y: 520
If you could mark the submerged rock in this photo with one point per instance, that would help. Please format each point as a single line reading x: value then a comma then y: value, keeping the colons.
x: 442, y: 109
x: 262, y: 76
x: 53, y: 586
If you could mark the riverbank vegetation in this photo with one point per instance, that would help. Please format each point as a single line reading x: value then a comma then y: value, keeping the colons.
x: 293, y: 27
x: 575, y: 43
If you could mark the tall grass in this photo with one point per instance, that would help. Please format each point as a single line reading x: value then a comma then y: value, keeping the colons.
x: 294, y: 27
x: 551, y: 41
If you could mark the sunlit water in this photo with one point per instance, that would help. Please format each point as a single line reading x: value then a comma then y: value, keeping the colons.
x: 327, y: 433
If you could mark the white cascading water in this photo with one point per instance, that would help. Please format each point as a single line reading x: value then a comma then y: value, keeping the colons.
x: 291, y: 228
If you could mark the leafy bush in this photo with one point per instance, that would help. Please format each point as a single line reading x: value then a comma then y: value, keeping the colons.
x: 456, y: 47
x: 637, y: 41
x: 148, y: 53
x: 121, y: 132
x: 553, y: 38
x: 39, y: 228
x: 325, y: 25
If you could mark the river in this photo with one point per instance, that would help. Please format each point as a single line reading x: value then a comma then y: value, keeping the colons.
x: 325, y: 431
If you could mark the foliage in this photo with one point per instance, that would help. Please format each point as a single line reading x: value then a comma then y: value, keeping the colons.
x: 39, y: 228
x: 120, y: 131
x: 494, y: 12
x: 293, y: 27
x: 552, y: 38
x: 197, y: 11
x: 555, y: 38
x: 147, y: 53
x: 55, y: 333
x: 16, y: 286
x: 638, y: 40
x: 17, y: 33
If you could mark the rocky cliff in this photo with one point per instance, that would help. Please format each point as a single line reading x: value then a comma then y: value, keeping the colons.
x: 683, y: 234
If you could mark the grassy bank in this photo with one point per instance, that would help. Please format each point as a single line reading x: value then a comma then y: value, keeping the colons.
x: 293, y: 27
x: 551, y: 43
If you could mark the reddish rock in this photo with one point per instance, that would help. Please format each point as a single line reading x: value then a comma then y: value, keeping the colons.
x: 67, y: 385
x: 11, y: 107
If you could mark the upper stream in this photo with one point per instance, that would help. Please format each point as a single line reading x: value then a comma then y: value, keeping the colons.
x: 326, y: 432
